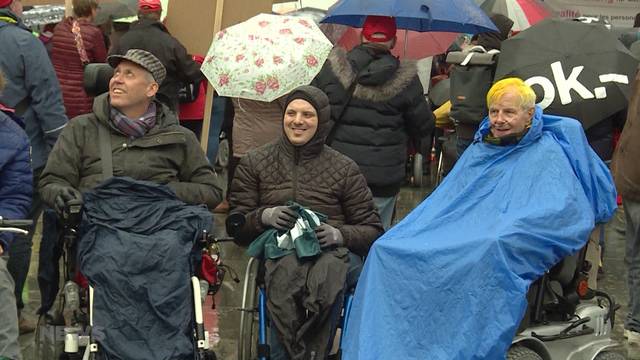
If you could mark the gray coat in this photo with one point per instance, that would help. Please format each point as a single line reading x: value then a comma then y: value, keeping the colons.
x: 31, y: 80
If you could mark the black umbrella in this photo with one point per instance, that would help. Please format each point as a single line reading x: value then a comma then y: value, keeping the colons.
x: 577, y: 70
x: 115, y: 9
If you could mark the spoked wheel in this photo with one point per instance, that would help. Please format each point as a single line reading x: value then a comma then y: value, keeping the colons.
x: 247, y: 343
x: 439, y: 169
x: 519, y: 352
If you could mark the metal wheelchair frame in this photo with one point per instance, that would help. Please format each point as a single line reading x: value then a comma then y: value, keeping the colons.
x: 254, y: 303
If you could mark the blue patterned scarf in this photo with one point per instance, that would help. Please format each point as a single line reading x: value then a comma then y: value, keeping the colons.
x: 134, y: 128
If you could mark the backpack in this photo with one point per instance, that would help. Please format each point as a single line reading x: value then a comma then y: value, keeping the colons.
x: 471, y: 79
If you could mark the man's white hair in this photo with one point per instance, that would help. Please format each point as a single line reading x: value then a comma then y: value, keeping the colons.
x: 149, y: 77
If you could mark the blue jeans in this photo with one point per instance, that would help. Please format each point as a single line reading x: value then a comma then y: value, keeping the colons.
x: 217, y: 117
x: 632, y: 258
x: 386, y: 207
x: 277, y: 350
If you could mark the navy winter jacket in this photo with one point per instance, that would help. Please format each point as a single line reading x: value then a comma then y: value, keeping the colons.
x: 15, y: 174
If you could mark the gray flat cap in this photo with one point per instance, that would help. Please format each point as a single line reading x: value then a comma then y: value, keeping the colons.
x: 143, y: 58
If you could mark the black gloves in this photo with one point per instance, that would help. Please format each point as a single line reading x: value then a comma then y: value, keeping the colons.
x: 328, y: 236
x: 65, y: 194
x: 281, y: 218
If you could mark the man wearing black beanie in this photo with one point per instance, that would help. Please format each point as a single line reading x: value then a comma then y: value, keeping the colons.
x: 299, y: 167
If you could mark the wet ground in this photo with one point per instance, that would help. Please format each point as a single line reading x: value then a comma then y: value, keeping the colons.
x: 613, y: 280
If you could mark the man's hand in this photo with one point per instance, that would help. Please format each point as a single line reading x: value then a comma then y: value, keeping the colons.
x: 281, y: 218
x: 65, y: 194
x: 328, y: 236
x: 1, y: 250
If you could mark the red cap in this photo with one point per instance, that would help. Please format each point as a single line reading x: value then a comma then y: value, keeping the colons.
x: 148, y: 5
x: 5, y: 3
x: 383, y: 27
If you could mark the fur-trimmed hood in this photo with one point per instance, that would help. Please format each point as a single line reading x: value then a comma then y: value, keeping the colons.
x: 382, y: 76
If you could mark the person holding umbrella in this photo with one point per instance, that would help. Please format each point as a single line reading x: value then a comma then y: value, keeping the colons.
x: 376, y: 100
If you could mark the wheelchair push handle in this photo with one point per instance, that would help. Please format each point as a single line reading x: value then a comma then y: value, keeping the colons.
x: 15, y: 223
x: 72, y: 212
x: 15, y: 226
x: 209, y: 239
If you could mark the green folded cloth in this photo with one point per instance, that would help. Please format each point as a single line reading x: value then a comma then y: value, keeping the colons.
x: 301, y: 239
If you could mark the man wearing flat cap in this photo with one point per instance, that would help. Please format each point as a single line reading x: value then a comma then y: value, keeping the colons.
x: 145, y: 139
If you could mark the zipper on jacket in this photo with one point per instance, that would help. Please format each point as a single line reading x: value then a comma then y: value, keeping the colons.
x: 154, y: 140
x: 296, y: 160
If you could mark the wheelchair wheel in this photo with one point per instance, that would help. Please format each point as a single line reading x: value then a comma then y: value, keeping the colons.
x: 519, y: 352
x: 418, y: 170
x: 609, y: 355
x: 248, y: 339
x: 440, y: 170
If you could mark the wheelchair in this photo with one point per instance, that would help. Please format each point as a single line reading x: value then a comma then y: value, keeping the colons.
x: 565, y: 319
x: 444, y: 154
x: 74, y: 311
x: 254, y: 323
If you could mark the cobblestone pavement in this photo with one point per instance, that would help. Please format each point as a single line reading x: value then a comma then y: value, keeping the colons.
x: 613, y: 280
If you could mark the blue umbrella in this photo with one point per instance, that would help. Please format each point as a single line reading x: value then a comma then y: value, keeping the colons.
x: 462, y: 16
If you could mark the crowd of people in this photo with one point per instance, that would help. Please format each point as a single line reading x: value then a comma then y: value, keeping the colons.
x: 314, y: 175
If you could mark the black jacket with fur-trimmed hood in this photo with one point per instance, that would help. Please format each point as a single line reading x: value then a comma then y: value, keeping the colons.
x: 386, y: 108
x: 313, y: 175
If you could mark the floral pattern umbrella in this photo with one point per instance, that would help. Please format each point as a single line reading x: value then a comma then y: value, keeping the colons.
x: 265, y: 57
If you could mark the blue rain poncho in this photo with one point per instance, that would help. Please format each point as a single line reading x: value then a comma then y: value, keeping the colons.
x: 450, y: 280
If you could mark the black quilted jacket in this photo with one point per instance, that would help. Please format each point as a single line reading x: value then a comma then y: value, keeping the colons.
x: 312, y: 175
x: 154, y: 37
x: 387, y: 108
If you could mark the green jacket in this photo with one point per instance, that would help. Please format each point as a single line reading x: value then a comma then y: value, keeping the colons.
x: 167, y: 154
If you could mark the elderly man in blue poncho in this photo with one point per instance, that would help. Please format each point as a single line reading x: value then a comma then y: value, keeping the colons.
x: 449, y: 281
